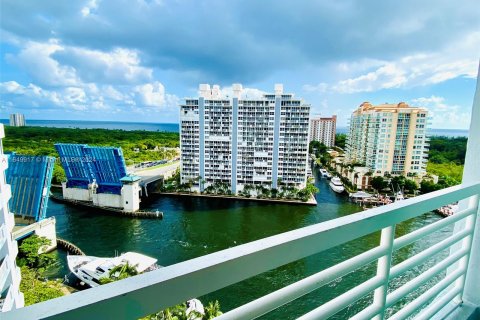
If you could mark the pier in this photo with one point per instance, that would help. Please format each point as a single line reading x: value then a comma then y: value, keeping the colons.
x: 143, y: 214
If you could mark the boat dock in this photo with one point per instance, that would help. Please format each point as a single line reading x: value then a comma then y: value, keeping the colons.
x: 143, y: 214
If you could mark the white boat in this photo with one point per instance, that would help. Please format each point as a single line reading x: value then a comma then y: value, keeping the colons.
x: 90, y: 270
x: 336, y: 185
x: 399, y: 196
x: 323, y: 172
x: 328, y: 175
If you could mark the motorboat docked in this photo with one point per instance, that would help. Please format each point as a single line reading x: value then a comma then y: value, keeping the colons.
x: 323, y: 172
x: 399, y: 196
x: 328, y: 176
x: 89, y: 270
x: 337, y: 185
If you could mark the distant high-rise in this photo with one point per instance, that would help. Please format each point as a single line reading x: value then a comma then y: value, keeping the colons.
x: 17, y: 120
x: 389, y: 138
x: 324, y: 130
x: 10, y: 295
x: 239, y: 140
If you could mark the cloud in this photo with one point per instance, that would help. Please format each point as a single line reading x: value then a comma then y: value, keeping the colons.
x: 443, y: 115
x: 250, y: 93
x: 54, y: 64
x: 249, y: 39
x: 119, y: 66
x: 408, y: 71
x: 35, y: 58
x: 89, y: 98
x: 151, y: 94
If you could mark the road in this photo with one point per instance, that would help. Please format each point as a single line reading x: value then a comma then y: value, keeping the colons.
x: 154, y: 172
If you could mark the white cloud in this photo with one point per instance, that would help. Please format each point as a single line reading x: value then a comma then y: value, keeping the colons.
x: 117, y: 66
x: 35, y: 58
x: 89, y: 8
x: 250, y: 93
x: 456, y: 60
x: 444, y: 115
x: 151, y: 94
x: 56, y: 65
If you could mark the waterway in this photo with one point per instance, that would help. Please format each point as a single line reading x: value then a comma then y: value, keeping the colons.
x: 173, y: 127
x: 194, y: 227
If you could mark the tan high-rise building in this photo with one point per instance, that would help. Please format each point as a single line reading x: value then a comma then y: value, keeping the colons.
x: 323, y: 130
x: 389, y: 138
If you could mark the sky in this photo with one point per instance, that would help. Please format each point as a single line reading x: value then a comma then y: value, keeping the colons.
x: 136, y: 60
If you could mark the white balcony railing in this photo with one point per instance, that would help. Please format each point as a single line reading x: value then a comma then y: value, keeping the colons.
x: 156, y: 290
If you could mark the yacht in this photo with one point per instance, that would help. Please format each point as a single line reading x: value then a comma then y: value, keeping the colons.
x: 323, y: 172
x: 336, y: 185
x: 328, y: 175
x: 89, y: 270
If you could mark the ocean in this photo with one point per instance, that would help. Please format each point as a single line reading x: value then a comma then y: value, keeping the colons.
x: 83, y: 124
x: 173, y: 127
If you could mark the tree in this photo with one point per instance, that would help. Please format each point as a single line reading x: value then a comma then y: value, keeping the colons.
x: 378, y: 183
x: 427, y: 186
x: 340, y: 139
x: 410, y: 185
x: 29, y: 253
x: 120, y: 272
x: 212, y: 310
x: 398, y: 182
x: 35, y: 290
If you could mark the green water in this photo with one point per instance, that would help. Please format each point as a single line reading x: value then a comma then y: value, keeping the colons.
x: 194, y: 227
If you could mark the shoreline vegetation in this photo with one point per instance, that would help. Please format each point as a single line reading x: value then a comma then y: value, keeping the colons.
x: 36, y: 288
x: 137, y: 146
x: 285, y: 192
x: 446, y: 156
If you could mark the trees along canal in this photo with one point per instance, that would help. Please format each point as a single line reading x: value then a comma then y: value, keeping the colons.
x: 284, y: 190
x: 33, y: 265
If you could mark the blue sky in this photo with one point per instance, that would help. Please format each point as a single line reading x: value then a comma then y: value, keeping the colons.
x: 135, y: 60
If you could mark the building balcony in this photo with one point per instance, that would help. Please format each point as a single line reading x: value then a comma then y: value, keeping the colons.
x: 6, y: 300
x: 3, y: 271
x: 148, y: 293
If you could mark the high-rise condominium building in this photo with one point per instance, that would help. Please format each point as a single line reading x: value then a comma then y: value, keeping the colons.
x: 389, y: 138
x: 324, y: 130
x: 240, y: 140
x: 10, y: 295
x: 17, y: 120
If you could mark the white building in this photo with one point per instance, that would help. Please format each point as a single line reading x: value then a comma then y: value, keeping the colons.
x: 389, y: 138
x: 17, y: 120
x: 323, y: 130
x: 239, y: 140
x: 10, y: 296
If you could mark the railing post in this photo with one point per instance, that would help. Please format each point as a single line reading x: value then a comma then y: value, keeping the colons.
x: 383, y: 269
x: 471, y: 173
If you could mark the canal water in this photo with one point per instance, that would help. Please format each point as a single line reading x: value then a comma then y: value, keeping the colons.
x: 193, y: 227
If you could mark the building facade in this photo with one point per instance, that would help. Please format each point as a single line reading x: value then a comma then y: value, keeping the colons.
x: 389, y: 138
x: 239, y: 140
x: 10, y: 295
x: 17, y: 120
x: 323, y: 130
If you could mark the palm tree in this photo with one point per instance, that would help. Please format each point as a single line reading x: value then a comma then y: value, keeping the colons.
x: 212, y: 310
x: 122, y: 271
